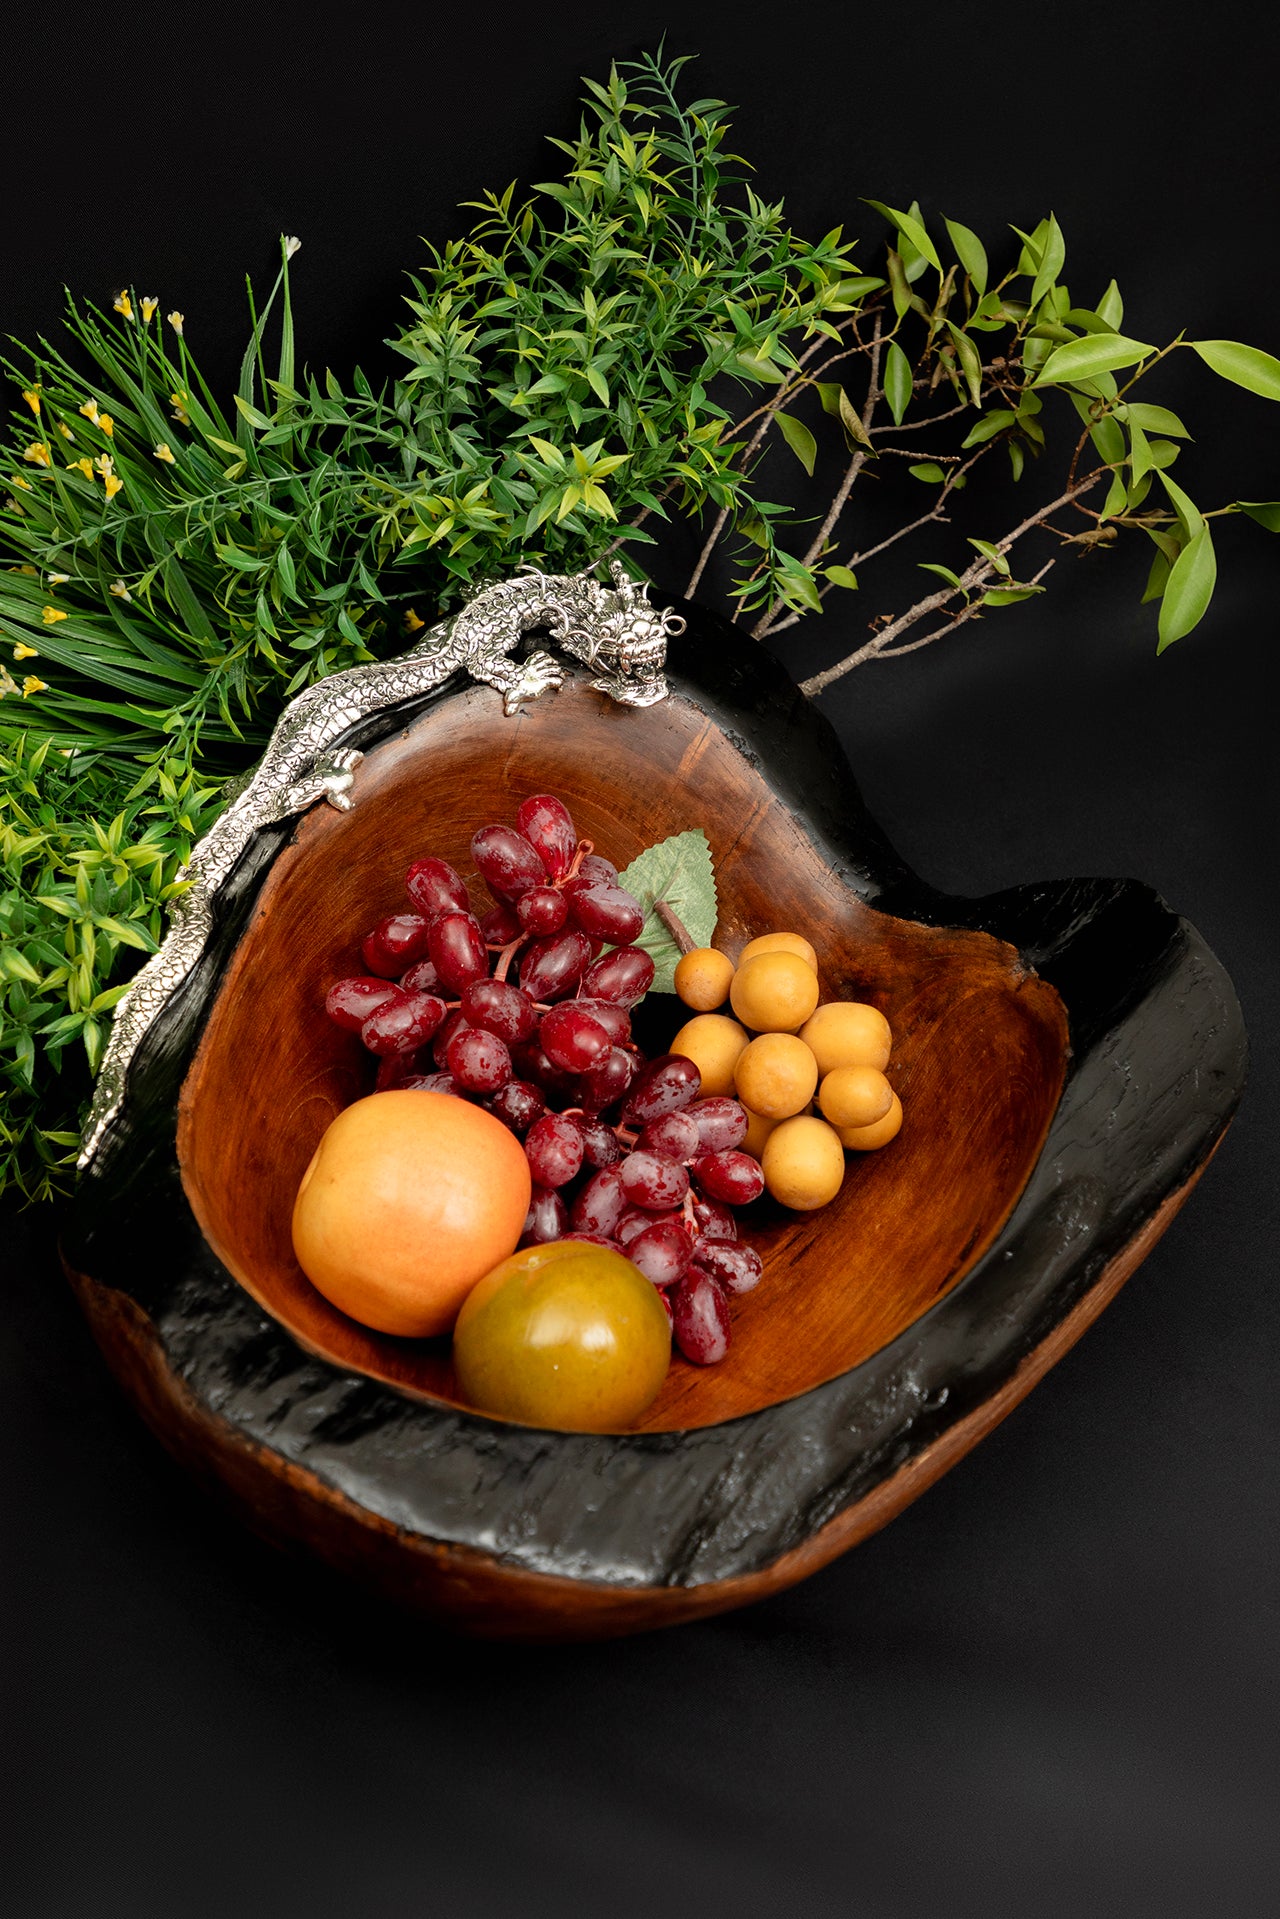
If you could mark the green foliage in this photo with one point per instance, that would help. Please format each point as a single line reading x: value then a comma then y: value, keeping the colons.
x: 643, y: 340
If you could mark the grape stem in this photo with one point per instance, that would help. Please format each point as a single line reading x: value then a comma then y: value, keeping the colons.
x: 507, y: 954
x: 675, y: 926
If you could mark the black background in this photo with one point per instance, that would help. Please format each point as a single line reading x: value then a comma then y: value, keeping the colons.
x: 1050, y: 1686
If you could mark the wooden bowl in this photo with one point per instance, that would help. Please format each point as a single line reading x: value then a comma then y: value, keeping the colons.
x: 1068, y: 1056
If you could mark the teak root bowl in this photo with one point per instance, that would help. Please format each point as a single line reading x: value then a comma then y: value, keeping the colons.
x: 1068, y: 1055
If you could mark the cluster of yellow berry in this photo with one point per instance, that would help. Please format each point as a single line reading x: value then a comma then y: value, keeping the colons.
x: 782, y: 1054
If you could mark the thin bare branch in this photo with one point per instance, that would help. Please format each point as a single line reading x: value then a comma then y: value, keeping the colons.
x: 957, y: 619
x: 980, y: 573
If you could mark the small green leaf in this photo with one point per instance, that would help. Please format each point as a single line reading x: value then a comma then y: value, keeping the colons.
x: 971, y: 254
x: 992, y: 553
x: 1140, y: 453
x: 1155, y: 419
x: 929, y: 472
x: 252, y: 415
x: 851, y: 421
x: 943, y: 572
x: 897, y: 381
x: 970, y: 362
x: 1156, y: 578
x: 679, y: 871
x: 1189, y: 588
x: 1017, y: 458
x: 1111, y: 307
x: 1188, y: 513
x: 757, y: 369
x: 1117, y: 498
x: 1009, y: 595
x: 911, y: 229
x: 1051, y: 261
x: 1095, y: 354
x: 1246, y: 366
x: 799, y: 439
x: 841, y: 576
x: 989, y: 425
x: 1265, y: 512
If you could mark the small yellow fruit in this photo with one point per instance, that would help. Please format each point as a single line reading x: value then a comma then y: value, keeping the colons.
x: 844, y: 1032
x: 774, y: 993
x: 713, y: 1042
x: 855, y: 1096
x: 703, y: 978
x: 803, y: 1163
x: 775, y: 1075
x: 865, y: 1139
x: 758, y: 1131
x: 779, y: 943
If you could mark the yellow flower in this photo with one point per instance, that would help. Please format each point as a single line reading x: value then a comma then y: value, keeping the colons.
x: 32, y: 685
x: 84, y: 466
x: 411, y: 622
x: 31, y: 394
x: 180, y: 413
x: 37, y: 453
x: 105, y: 464
x: 123, y: 304
x: 90, y: 411
x: 175, y: 320
x: 59, y: 579
x: 52, y: 614
x: 120, y: 590
x: 106, y: 424
x: 19, y: 481
x: 148, y: 308
x: 113, y: 485
x: 28, y: 570
x: 65, y: 430
x: 21, y: 652
x: 7, y: 682
x: 162, y: 452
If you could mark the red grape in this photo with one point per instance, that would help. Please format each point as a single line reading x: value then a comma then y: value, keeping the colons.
x: 531, y: 1062
x: 431, y: 1083
x: 546, y: 1219
x: 600, y: 1204
x: 553, y: 1148
x: 508, y: 864
x: 653, y: 1181
x: 606, y: 912
x: 395, y: 943
x: 500, y: 1008
x: 500, y: 925
x: 542, y: 910
x: 456, y: 1023
x: 675, y: 1134
x: 594, y: 1239
x: 403, y: 1024
x: 545, y: 823
x: 572, y: 1039
x: 735, y: 1178
x: 421, y: 977
x: 607, y: 1081
x: 458, y: 950
x: 700, y: 1318
x: 434, y: 887
x: 518, y: 1105
x: 396, y: 1069
x: 665, y: 1296
x: 592, y: 869
x: 349, y: 1002
x: 665, y: 1085
x: 479, y: 1061
x: 722, y: 1124
x: 550, y: 968
x: 737, y: 1269
x: 634, y: 1220
x: 662, y: 1251
x: 714, y: 1219
x: 615, y: 1019
x: 622, y: 977
x: 600, y: 1144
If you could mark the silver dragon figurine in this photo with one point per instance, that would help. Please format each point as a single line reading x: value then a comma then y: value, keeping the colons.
x: 611, y: 628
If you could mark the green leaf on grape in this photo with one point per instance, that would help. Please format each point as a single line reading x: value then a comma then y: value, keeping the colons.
x: 677, y: 871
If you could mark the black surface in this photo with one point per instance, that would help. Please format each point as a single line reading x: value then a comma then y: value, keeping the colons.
x: 1049, y: 1687
x: 1157, y: 1063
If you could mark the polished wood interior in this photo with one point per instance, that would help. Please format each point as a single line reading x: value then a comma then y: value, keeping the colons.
x: 980, y: 1044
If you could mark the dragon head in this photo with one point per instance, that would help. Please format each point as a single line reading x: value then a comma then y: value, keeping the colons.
x: 626, y: 636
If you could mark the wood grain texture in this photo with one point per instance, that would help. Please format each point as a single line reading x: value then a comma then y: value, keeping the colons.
x: 979, y: 1058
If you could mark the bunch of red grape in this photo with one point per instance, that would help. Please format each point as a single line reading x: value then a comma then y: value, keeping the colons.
x: 621, y: 1150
